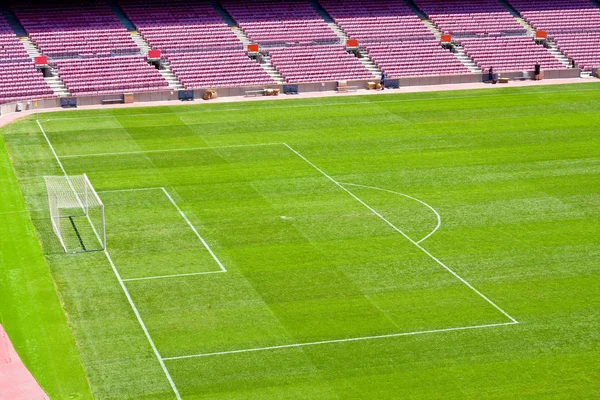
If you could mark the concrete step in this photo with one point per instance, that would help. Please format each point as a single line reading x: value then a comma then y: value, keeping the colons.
x: 437, y: 33
x: 241, y: 35
x: 555, y: 51
x: 30, y: 47
x: 329, y: 20
x: 57, y: 86
x: 169, y: 76
x: 517, y: 16
x: 466, y: 60
x: 140, y: 42
x: 271, y: 70
x: 369, y: 64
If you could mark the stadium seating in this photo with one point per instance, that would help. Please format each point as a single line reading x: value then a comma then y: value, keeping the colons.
x: 70, y: 29
x: 374, y: 21
x: 108, y: 75
x: 510, y: 53
x: 470, y: 17
x: 22, y: 81
x: 217, y: 69
x: 415, y: 58
x: 180, y: 25
x: 583, y: 48
x: 317, y: 64
x: 560, y: 16
x: 280, y: 22
x: 11, y: 49
x: 573, y: 24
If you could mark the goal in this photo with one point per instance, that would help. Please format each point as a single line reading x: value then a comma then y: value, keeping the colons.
x: 76, y: 213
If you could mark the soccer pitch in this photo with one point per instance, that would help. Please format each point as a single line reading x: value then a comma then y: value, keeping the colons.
x: 436, y: 245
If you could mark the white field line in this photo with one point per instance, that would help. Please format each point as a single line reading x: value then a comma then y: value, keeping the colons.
x: 129, y: 190
x: 355, y: 339
x: 403, y: 234
x: 143, y: 325
x: 437, y: 215
x: 192, y: 227
x: 172, y: 276
x: 213, y: 255
x: 166, y: 150
x: 127, y: 295
x: 72, y: 188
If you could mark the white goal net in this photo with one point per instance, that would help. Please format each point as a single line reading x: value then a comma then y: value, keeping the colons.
x: 77, y: 213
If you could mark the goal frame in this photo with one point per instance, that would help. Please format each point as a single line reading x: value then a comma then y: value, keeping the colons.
x: 82, y: 199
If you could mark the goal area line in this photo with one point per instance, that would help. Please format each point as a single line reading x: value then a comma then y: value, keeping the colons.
x: 189, y: 224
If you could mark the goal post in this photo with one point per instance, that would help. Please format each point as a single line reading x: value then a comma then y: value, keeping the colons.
x: 76, y: 213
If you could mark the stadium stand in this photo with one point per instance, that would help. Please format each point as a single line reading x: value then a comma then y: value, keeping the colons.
x: 11, y: 49
x: 470, y: 17
x: 217, y: 69
x: 70, y: 29
x: 280, y: 22
x: 19, y: 79
x: 573, y: 24
x: 415, y: 58
x: 317, y: 64
x: 374, y: 21
x: 110, y: 75
x: 508, y: 53
x: 22, y: 81
x: 560, y: 16
x: 178, y: 26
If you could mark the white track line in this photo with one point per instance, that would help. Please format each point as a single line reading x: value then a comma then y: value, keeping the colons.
x: 403, y: 234
x: 437, y: 215
x: 122, y: 284
x: 171, y: 276
x: 167, y: 150
x: 213, y: 255
x: 355, y: 339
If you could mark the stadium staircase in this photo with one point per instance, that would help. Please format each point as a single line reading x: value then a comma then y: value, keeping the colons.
x: 330, y: 22
x: 517, y: 16
x: 265, y: 63
x: 459, y: 53
x: 363, y: 56
x: 169, y: 76
x: 550, y: 45
x: 231, y: 23
x: 424, y: 19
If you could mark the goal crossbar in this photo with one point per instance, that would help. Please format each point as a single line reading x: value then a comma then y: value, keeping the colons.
x: 71, y: 198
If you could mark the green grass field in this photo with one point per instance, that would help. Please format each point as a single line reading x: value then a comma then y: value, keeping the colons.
x: 435, y: 245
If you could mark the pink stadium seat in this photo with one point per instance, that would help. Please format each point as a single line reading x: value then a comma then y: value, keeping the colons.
x: 180, y: 25
x: 72, y: 29
x: 215, y: 69
x: 415, y: 58
x: 511, y: 53
x: 317, y: 63
x: 470, y: 17
x: 279, y: 22
x: 110, y: 75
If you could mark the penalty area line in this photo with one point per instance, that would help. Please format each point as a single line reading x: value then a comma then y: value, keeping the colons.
x: 394, y: 227
x: 355, y: 339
